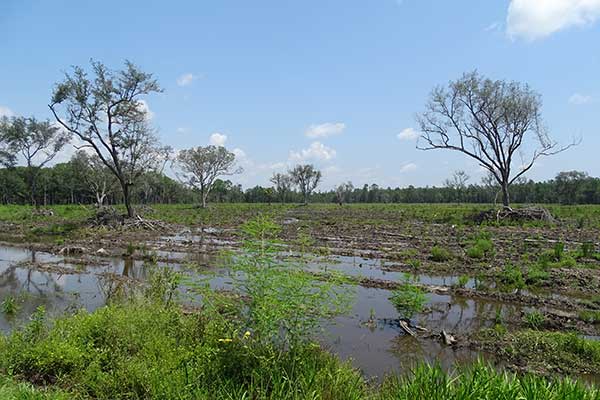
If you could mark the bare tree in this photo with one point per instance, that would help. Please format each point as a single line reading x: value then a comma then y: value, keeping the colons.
x: 342, y: 192
x: 493, y: 122
x: 283, y: 184
x: 95, y: 174
x: 35, y: 142
x: 458, y: 183
x: 108, y: 115
x: 201, y: 166
x: 307, y: 178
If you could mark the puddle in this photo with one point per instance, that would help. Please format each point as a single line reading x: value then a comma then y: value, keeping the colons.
x: 369, y: 268
x: 383, y: 348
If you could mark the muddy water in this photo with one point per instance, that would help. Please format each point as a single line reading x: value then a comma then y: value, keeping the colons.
x: 368, y: 335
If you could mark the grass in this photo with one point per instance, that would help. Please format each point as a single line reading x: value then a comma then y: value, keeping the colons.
x: 408, y: 299
x: 145, y: 351
x: 441, y: 254
x: 545, y: 351
x: 480, y: 382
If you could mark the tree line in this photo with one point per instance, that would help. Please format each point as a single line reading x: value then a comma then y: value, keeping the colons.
x: 121, y: 160
x: 70, y: 183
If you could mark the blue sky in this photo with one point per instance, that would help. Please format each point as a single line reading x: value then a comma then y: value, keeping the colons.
x: 329, y: 82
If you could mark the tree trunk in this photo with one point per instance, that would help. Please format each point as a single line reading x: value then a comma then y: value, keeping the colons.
x: 127, y: 200
x: 203, y: 195
x: 505, y: 195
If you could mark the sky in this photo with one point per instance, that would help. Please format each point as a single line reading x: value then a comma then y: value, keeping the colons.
x: 336, y: 83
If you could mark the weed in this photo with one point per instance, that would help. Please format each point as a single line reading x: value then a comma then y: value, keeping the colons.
x: 534, y: 319
x: 9, y: 305
x: 512, y: 278
x: 440, y: 254
x: 463, y: 280
x: 590, y: 316
x: 408, y: 299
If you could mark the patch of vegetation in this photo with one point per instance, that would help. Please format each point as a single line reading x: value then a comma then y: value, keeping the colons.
x: 481, y: 246
x: 480, y: 381
x: 590, y: 316
x: 511, y: 277
x: 544, y: 351
x: 441, y: 254
x: 536, y: 276
x: 408, y: 299
x: 9, y: 305
x: 534, y: 319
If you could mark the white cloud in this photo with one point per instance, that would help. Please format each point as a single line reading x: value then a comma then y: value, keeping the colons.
x: 579, y: 99
x: 239, y: 153
x: 408, y: 134
x: 217, y: 139
x: 316, y: 151
x: 6, y: 112
x: 408, y: 167
x: 144, y: 107
x: 535, y: 19
x: 325, y: 130
x: 186, y: 79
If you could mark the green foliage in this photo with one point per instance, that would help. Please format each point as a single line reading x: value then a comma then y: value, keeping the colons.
x: 590, y: 316
x: 9, y: 305
x: 146, y: 351
x: 441, y: 254
x: 281, y: 303
x: 587, y: 250
x: 463, y: 280
x: 534, y: 319
x: 559, y: 251
x: 536, y: 275
x: 408, y: 299
x: 163, y: 283
x: 11, y: 390
x: 480, y: 381
x: 481, y: 246
x: 540, y: 350
x: 511, y: 277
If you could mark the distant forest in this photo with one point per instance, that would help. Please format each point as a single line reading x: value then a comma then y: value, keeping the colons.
x: 64, y: 184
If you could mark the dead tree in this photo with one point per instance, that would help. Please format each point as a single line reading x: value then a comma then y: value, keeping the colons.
x: 497, y: 123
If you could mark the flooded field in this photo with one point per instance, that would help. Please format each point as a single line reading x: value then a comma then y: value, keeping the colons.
x: 369, y: 335
x: 520, y: 298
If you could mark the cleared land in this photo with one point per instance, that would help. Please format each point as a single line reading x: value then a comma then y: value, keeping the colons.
x: 427, y: 284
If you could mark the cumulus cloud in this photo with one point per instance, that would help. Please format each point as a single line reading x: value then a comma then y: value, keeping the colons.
x: 579, y: 99
x: 217, y: 139
x: 316, y: 151
x: 186, y: 79
x: 408, y: 167
x: 6, y: 112
x: 535, y: 19
x: 239, y: 153
x: 408, y: 134
x: 325, y: 130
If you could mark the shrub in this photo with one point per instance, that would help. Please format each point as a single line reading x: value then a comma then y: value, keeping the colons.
x: 408, y: 299
x: 441, y: 254
x: 535, y: 319
x: 512, y: 277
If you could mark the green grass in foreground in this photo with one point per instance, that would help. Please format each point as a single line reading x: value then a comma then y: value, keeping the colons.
x: 145, y: 351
